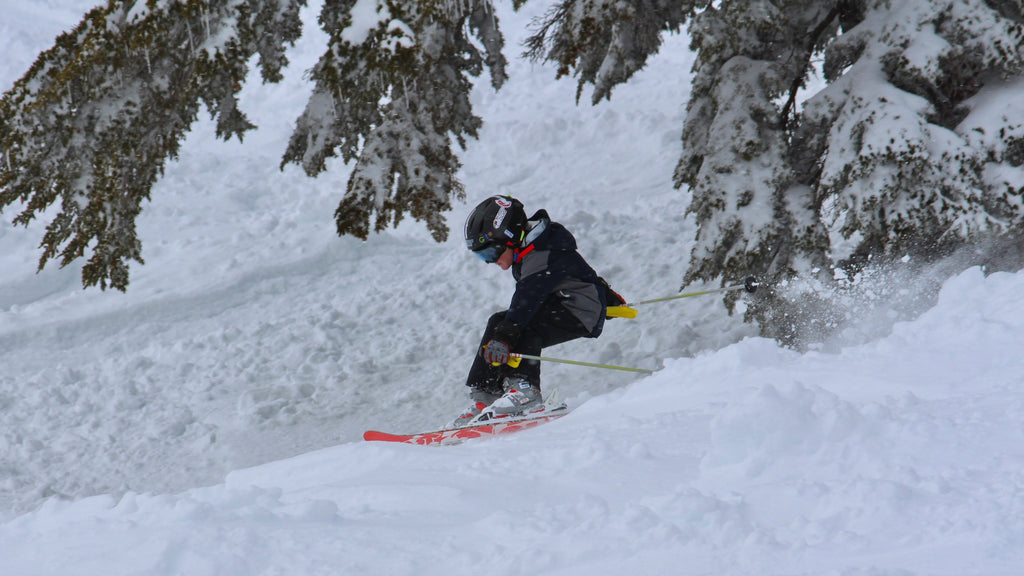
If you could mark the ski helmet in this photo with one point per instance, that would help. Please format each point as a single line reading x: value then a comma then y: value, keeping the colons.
x: 495, y: 224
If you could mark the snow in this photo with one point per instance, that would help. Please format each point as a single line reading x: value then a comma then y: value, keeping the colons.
x: 208, y: 421
x: 366, y: 15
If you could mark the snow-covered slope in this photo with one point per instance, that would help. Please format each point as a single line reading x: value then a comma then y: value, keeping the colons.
x: 898, y: 457
x: 207, y: 421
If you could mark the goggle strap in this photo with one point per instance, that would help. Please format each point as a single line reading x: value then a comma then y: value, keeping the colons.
x: 520, y: 253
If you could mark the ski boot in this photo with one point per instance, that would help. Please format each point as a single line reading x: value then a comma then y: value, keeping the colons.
x: 520, y: 397
x: 481, y: 400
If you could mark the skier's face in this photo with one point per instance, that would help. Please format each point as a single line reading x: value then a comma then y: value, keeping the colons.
x: 505, y: 260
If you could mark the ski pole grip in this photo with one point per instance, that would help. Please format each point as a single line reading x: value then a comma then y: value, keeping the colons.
x: 513, y: 360
x: 620, y: 312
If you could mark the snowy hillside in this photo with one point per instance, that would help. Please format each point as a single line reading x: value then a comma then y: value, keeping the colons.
x: 898, y: 457
x: 208, y: 421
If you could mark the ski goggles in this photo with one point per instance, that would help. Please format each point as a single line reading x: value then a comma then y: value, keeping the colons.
x: 491, y: 253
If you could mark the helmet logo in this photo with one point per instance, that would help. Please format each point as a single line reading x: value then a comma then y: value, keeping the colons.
x: 503, y: 206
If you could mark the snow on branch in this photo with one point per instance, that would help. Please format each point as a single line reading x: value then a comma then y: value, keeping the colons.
x: 604, y: 42
x: 391, y: 93
x: 93, y: 121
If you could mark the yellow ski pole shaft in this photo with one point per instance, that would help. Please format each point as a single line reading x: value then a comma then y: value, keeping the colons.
x: 515, y: 358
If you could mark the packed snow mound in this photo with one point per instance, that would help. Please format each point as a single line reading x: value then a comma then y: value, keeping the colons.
x: 902, y: 456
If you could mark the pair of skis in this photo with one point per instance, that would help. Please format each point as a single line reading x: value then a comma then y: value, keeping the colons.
x: 551, y: 410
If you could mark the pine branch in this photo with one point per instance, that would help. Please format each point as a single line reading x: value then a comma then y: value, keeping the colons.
x: 808, y: 52
x: 392, y: 101
x: 96, y: 117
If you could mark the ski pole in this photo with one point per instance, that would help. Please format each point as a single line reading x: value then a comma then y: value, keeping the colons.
x: 516, y: 357
x: 750, y: 285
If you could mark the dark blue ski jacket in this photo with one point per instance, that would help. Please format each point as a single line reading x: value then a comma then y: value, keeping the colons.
x: 548, y: 266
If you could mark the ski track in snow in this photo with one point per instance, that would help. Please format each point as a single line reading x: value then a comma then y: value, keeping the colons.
x: 207, y: 421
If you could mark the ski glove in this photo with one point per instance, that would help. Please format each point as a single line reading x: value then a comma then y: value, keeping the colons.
x: 611, y: 296
x: 496, y: 352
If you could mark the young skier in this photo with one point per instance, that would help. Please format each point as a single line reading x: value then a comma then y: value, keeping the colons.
x: 558, y: 298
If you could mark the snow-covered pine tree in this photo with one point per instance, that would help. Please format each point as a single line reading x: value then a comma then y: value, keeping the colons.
x: 604, y: 42
x: 391, y: 91
x: 95, y: 118
x: 918, y: 145
x: 753, y: 197
x: 744, y: 160
x: 911, y: 150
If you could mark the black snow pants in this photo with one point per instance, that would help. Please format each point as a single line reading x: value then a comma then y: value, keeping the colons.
x: 553, y: 324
